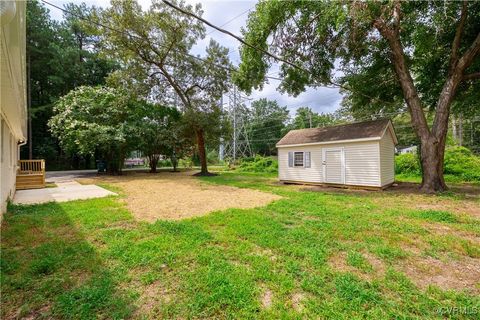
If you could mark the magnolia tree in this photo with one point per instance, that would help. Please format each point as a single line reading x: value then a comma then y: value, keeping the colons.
x: 392, y: 55
x: 159, y: 41
x: 109, y: 122
x: 95, y: 119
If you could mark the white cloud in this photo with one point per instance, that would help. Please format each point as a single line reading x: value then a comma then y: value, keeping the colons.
x: 220, y: 12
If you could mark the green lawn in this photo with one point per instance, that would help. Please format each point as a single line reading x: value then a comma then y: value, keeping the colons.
x: 339, y: 255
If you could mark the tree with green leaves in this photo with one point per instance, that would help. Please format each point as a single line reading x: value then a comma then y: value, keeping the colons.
x: 60, y: 57
x: 305, y: 117
x: 265, y: 125
x: 394, y: 56
x: 97, y: 119
x: 157, y: 131
x: 159, y: 41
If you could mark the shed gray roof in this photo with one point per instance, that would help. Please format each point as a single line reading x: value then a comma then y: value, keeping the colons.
x: 352, y: 131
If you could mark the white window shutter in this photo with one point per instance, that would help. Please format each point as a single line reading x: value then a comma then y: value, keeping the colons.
x: 290, y: 159
x: 307, y: 159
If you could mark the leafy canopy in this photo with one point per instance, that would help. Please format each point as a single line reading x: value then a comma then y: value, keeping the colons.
x: 336, y: 42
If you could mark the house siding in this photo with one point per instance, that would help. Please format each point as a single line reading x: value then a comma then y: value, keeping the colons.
x: 362, y: 163
x: 8, y: 164
x: 387, y: 156
x: 13, y: 107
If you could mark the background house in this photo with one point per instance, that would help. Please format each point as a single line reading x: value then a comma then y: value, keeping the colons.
x: 357, y: 154
x: 13, y: 107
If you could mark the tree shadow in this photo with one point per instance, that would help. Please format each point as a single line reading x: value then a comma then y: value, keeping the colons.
x: 49, y: 268
x: 399, y: 188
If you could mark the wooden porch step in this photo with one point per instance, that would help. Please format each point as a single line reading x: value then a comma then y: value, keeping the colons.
x: 30, y: 181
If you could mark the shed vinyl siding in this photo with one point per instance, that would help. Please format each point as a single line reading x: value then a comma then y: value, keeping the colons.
x: 301, y: 174
x: 387, y: 157
x: 362, y: 163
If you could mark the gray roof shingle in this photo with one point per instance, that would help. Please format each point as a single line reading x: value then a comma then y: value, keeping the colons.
x: 351, y: 131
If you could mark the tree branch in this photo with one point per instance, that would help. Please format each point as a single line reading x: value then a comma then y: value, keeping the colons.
x: 403, y: 74
x: 472, y: 52
x: 458, y: 37
x: 449, y: 90
x: 472, y: 76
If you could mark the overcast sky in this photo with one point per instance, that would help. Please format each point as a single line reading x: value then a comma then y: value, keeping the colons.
x: 233, y: 15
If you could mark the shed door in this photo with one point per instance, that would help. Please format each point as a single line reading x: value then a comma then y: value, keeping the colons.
x: 334, y: 165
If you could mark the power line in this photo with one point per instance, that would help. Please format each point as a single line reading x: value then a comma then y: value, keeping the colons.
x: 99, y: 24
x: 266, y: 52
x: 236, y: 17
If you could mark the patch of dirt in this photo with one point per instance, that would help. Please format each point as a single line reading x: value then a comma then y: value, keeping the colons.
x: 175, y: 196
x: 444, y: 230
x: 458, y: 275
x: 462, y: 207
x: 338, y: 262
x: 39, y: 313
x: 463, y: 274
x: 152, y: 297
x: 297, y: 301
x: 410, y: 194
x: 266, y: 299
x: 265, y: 252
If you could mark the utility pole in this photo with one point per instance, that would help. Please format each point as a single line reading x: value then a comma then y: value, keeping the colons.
x: 310, y: 117
x: 234, y: 123
x: 221, y: 147
x: 238, y: 143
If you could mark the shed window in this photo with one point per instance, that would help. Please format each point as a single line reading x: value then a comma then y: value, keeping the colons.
x: 298, y: 159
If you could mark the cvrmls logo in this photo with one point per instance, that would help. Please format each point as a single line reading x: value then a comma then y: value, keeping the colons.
x: 458, y: 310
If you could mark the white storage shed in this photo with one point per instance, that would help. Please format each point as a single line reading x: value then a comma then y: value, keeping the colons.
x: 356, y: 154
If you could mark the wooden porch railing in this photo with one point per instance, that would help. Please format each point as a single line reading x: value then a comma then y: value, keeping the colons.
x: 31, y: 166
x: 31, y: 174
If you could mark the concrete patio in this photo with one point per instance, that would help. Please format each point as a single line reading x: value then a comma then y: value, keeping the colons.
x: 65, y: 191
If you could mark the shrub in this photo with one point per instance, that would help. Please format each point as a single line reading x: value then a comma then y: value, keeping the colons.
x: 186, y: 163
x: 407, y: 163
x: 165, y: 163
x: 460, y: 161
x: 212, y: 157
x: 258, y: 164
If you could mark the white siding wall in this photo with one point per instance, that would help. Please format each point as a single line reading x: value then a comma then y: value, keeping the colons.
x: 8, y: 165
x: 362, y: 164
x: 312, y: 174
x: 387, y: 156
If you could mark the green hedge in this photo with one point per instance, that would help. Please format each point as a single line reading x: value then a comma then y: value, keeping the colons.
x: 459, y: 162
x: 407, y: 163
x: 258, y: 164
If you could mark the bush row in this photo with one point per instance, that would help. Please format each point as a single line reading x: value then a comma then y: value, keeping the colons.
x: 258, y: 164
x: 459, y: 162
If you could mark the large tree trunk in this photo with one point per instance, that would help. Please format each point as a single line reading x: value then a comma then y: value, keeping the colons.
x: 152, y: 162
x: 432, y: 141
x: 201, y: 151
x: 174, y: 161
x: 431, y: 157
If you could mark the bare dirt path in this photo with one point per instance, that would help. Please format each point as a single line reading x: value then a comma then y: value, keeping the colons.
x: 175, y: 196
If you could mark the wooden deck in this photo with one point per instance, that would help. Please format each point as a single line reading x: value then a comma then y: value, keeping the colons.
x: 31, y: 174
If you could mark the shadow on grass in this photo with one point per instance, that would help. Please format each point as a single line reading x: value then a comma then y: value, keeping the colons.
x: 50, y: 270
x: 403, y: 188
